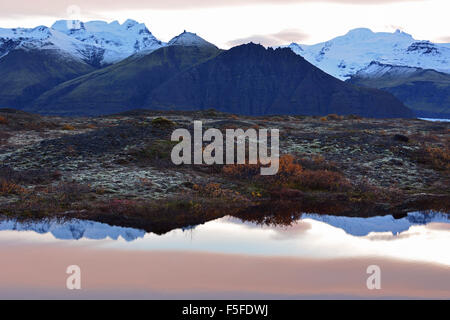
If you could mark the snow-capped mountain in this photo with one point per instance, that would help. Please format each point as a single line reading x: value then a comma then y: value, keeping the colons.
x: 118, y: 41
x: 377, y: 70
x: 189, y: 39
x: 96, y: 42
x: 38, y: 38
x: 344, y: 56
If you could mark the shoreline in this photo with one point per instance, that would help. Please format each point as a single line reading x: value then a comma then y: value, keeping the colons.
x: 117, y: 169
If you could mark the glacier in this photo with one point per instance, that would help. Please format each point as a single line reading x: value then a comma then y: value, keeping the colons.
x: 345, y: 55
x: 95, y: 42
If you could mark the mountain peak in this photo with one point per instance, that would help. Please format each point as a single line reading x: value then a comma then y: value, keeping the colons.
x: 366, y: 33
x: 70, y: 26
x: 130, y: 23
x: 67, y: 25
x: 296, y: 48
x: 360, y: 32
x: 117, y: 41
x: 189, y: 39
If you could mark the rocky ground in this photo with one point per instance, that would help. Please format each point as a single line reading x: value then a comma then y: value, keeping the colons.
x: 117, y: 169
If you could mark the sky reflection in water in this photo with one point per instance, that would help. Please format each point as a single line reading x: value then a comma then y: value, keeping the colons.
x: 417, y: 237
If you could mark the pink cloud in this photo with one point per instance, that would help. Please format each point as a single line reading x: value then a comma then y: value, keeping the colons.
x: 444, y: 39
x: 59, y: 7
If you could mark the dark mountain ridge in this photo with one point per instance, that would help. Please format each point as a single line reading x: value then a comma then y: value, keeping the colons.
x: 247, y: 79
x: 252, y: 80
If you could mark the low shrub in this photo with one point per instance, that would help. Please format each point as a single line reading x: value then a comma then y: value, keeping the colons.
x: 158, y: 150
x: 68, y: 127
x: 216, y: 190
x: 162, y: 122
x: 317, y: 162
x: 436, y: 157
x: 334, y: 117
x: 9, y: 188
x: 291, y: 174
x: 288, y: 168
x: 4, y: 136
x: 322, y: 180
x: 30, y: 176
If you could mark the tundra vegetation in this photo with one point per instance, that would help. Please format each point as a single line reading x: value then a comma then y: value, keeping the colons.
x: 117, y: 169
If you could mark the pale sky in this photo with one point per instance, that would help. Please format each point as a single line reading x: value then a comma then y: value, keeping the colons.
x: 231, y: 22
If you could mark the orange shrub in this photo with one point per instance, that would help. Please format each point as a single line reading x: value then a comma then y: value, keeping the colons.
x: 8, y: 187
x: 334, y: 117
x: 68, y: 127
x: 292, y: 175
x: 3, y: 120
x: 438, y: 158
x: 241, y: 170
x: 287, y: 168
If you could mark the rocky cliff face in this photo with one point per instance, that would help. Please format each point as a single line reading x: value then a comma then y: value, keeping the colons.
x: 252, y: 80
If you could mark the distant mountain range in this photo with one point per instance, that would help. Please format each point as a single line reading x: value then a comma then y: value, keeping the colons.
x: 416, y: 72
x: 425, y: 91
x: 344, y: 56
x: 99, y: 68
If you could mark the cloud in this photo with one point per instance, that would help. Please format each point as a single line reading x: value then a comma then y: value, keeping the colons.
x: 444, y: 39
x: 59, y: 7
x: 272, y: 40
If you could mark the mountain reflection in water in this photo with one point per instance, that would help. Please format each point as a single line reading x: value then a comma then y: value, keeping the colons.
x: 315, y: 256
x: 78, y: 229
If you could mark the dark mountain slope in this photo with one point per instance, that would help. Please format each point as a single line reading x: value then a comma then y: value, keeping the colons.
x: 250, y: 79
x: 426, y: 92
x: 26, y: 74
x: 122, y: 86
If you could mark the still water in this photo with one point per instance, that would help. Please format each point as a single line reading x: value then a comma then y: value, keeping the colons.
x: 315, y: 257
